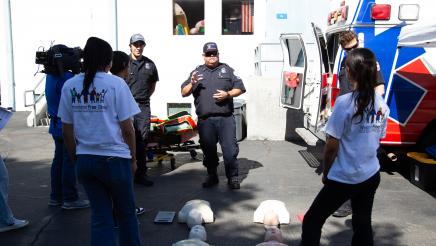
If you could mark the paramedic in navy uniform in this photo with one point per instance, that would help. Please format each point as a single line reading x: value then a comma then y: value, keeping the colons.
x: 349, y: 41
x: 142, y: 80
x: 213, y: 86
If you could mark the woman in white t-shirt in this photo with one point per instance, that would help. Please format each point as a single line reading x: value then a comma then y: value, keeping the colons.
x: 351, y: 167
x: 96, y: 110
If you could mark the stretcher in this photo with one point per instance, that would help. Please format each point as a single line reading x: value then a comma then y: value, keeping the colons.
x: 172, y: 134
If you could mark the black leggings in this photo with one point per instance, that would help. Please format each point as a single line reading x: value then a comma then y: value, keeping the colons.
x: 330, y: 198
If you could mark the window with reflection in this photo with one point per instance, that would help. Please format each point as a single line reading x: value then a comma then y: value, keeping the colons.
x: 237, y: 17
x: 188, y: 17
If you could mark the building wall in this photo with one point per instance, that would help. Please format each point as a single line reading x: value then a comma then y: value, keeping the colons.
x: 39, y: 23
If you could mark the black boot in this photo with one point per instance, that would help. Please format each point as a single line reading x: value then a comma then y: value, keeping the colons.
x: 211, y: 181
x: 142, y: 180
x: 234, y: 184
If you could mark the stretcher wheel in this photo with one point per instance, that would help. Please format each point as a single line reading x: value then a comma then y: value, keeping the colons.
x: 193, y: 153
x: 173, y: 163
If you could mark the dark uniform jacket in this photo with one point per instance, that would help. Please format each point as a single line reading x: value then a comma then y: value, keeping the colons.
x: 345, y: 85
x: 142, y: 72
x: 220, y: 78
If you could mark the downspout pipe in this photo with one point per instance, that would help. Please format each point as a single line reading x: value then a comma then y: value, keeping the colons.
x: 10, y: 56
x: 116, y: 24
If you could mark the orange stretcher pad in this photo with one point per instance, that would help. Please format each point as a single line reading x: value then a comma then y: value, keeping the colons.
x: 181, y: 124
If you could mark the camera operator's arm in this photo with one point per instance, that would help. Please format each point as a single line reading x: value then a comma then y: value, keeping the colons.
x: 69, y: 140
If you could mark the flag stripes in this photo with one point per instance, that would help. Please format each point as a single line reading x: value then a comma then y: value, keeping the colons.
x: 247, y: 10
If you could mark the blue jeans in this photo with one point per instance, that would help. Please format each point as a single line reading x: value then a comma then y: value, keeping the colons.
x: 109, y: 184
x: 6, y: 216
x: 63, y: 174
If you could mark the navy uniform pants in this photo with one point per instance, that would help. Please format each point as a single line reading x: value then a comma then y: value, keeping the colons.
x: 141, y: 123
x: 220, y: 129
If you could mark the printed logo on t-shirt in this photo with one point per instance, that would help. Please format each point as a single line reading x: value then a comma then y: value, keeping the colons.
x: 86, y: 101
x: 147, y: 66
x: 374, y: 121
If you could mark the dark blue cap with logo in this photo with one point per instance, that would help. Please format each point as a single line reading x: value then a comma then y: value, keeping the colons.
x: 210, y: 47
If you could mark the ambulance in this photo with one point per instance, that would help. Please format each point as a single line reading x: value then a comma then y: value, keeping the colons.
x: 399, y: 32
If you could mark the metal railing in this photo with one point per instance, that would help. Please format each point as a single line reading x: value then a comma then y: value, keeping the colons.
x: 36, y: 97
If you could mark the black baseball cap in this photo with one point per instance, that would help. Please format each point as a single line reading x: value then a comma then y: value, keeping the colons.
x: 210, y: 47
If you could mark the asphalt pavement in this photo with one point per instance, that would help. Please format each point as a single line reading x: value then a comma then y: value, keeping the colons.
x: 403, y: 214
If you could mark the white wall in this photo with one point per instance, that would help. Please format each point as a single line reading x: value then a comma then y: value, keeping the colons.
x: 38, y: 23
x: 177, y: 56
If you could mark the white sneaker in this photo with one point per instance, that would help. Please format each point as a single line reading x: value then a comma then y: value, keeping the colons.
x: 16, y: 225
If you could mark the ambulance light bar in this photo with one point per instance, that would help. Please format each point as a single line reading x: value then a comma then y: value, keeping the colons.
x: 381, y: 11
x: 408, y: 12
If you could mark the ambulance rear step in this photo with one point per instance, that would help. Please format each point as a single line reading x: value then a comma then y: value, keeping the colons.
x: 307, y: 136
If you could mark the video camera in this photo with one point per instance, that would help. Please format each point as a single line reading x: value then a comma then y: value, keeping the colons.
x: 60, y: 58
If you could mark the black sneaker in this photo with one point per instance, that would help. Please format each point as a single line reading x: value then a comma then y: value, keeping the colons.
x: 234, y: 184
x: 211, y: 181
x: 340, y: 213
x: 144, y: 181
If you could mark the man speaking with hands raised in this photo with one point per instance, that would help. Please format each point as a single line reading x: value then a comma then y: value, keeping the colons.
x: 213, y: 86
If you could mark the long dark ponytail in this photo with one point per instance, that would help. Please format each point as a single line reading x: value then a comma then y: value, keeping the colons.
x: 97, y: 55
x: 362, y: 69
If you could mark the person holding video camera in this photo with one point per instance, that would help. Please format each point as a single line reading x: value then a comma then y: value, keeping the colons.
x: 63, y: 174
x: 142, y: 80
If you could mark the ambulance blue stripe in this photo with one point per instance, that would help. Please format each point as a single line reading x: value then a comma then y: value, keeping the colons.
x: 407, y: 54
x: 365, y: 12
x: 356, y: 12
x: 400, y: 109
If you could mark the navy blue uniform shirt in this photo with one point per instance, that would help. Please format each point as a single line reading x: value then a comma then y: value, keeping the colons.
x: 344, y: 84
x: 221, y: 77
x: 142, y: 72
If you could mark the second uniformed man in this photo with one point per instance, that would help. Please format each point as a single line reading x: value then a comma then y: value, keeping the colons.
x: 142, y: 80
x: 213, y: 86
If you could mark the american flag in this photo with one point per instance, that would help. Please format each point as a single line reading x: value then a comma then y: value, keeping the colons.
x: 247, y: 10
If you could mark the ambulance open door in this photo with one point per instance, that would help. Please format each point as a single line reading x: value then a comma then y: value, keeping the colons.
x: 321, y: 88
x: 293, y: 73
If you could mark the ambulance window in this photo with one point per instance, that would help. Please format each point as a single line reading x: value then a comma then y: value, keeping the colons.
x: 295, y: 52
x: 332, y: 48
x: 324, y: 55
x: 237, y: 17
x: 188, y: 17
x: 323, y: 49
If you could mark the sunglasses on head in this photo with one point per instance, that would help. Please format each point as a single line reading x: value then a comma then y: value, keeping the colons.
x: 211, y: 54
x: 352, y: 47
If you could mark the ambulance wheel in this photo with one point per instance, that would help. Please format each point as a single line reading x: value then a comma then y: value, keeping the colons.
x: 193, y: 153
x: 173, y: 163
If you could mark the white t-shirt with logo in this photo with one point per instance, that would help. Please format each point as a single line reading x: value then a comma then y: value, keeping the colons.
x: 96, y: 115
x: 359, y: 140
